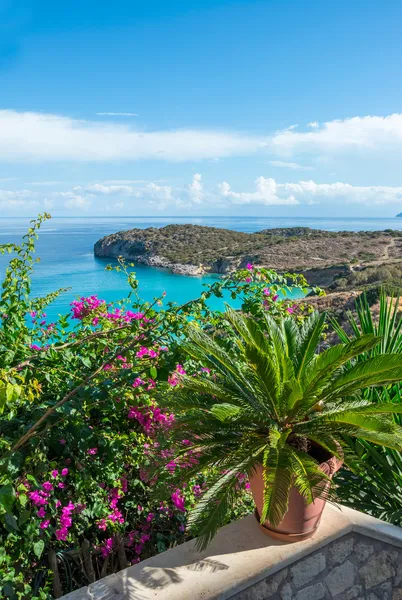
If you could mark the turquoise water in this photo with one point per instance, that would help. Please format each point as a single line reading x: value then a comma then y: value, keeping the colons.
x: 66, y: 245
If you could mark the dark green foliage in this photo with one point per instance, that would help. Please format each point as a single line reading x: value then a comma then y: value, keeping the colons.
x: 269, y: 394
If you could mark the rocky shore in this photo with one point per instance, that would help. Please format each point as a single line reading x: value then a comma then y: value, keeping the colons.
x: 336, y: 260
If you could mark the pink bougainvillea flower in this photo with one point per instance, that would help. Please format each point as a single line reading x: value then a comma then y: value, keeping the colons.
x: 47, y: 486
x: 249, y: 267
x: 55, y: 473
x: 41, y: 512
x: 178, y: 500
x: 61, y: 534
x: 275, y: 298
x: 92, y: 451
x: 107, y: 547
x: 45, y: 524
x: 266, y: 292
x: 62, y: 442
x: 248, y: 279
x: 64, y: 472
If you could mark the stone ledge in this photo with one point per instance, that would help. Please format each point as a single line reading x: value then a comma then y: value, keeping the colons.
x: 239, y: 557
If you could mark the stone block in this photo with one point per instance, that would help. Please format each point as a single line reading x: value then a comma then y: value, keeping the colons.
x: 265, y: 589
x: 338, y: 552
x: 306, y: 570
x: 341, y: 578
x: 312, y: 592
x: 378, y: 569
x: 363, y: 551
x: 272, y: 583
x: 355, y: 591
x: 286, y: 592
x: 397, y: 594
x: 384, y: 591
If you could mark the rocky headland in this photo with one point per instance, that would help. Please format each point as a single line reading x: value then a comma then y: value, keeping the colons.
x: 335, y: 260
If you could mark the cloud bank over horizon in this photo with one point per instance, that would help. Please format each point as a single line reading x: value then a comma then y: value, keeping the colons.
x: 266, y: 191
x: 63, y: 145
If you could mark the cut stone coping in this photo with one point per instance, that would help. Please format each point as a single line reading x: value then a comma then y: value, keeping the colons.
x: 240, y: 556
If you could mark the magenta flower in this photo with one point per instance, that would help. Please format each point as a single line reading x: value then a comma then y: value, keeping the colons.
x: 41, y: 512
x: 266, y: 292
x: 92, y: 451
x: 61, y: 534
x: 62, y: 442
x: 178, y: 500
x: 107, y: 547
x: 249, y: 267
x: 45, y: 524
x: 275, y: 298
x: 47, y: 486
x: 64, y: 472
x: 55, y: 473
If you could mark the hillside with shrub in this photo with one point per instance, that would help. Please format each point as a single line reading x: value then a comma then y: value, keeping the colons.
x: 341, y: 260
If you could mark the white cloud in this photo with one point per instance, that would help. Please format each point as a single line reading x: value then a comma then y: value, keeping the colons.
x: 116, y: 114
x: 269, y: 192
x: 73, y: 200
x: 195, y: 190
x: 100, y: 189
x: 370, y: 133
x: 289, y: 165
x: 29, y: 136
x: 266, y: 192
x: 369, y: 195
x: 10, y: 199
x: 161, y: 193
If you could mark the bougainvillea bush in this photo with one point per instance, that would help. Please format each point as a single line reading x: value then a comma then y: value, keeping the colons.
x: 87, y: 481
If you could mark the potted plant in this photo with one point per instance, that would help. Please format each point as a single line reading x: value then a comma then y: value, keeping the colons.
x: 268, y: 404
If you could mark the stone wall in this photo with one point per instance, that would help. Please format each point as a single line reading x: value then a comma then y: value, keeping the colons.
x: 354, y: 567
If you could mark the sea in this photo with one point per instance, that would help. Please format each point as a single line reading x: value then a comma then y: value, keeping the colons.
x: 65, y: 249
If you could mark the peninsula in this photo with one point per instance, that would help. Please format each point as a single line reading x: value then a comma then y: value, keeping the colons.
x: 336, y: 260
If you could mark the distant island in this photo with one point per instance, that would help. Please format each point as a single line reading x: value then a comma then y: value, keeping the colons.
x: 399, y: 214
x: 339, y: 261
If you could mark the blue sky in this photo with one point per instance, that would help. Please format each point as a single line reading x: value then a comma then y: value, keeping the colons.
x: 274, y: 107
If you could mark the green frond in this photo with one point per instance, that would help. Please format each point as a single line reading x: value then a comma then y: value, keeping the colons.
x: 309, y: 479
x: 226, y: 411
x: 310, y: 336
x: 209, y: 513
x: 377, y: 371
x: 278, y: 479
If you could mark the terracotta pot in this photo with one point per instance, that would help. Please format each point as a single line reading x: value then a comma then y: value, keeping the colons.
x: 301, y: 519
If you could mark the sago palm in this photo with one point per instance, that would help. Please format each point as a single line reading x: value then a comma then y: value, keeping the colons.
x: 269, y: 397
x: 375, y: 488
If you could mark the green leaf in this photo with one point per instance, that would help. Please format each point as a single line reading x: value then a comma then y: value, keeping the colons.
x: 10, y: 523
x: 38, y: 548
x: 24, y: 516
x: 225, y: 411
x: 7, y: 497
x: 153, y: 372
